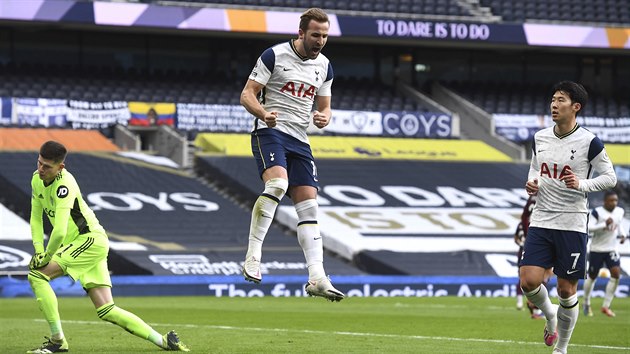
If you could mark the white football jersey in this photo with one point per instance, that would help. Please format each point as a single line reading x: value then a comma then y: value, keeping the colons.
x: 291, y: 84
x: 605, y: 238
x: 557, y: 206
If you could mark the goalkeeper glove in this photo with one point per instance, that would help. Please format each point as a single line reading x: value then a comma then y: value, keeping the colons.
x: 39, y: 260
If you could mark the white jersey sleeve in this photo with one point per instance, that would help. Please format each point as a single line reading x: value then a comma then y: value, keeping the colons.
x: 602, y: 165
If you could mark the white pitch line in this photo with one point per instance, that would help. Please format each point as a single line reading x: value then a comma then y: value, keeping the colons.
x: 355, y: 334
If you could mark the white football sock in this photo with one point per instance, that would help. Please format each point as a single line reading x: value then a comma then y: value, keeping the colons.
x: 262, y: 214
x: 611, y: 287
x: 568, y: 313
x: 310, y: 238
x: 589, y: 284
x: 540, y: 298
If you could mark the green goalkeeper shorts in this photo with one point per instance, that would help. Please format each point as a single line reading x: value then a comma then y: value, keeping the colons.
x: 85, y: 260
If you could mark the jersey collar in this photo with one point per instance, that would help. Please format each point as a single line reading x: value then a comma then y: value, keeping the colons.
x: 565, y: 134
x: 292, y: 44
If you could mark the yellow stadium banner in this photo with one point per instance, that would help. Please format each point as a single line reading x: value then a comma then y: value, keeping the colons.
x: 335, y: 147
x: 619, y: 153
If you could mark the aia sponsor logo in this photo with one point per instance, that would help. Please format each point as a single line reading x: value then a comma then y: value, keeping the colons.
x: 553, y: 170
x: 299, y: 91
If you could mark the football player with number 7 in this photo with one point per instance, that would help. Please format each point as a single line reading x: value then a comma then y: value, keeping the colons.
x: 564, y: 158
x: 77, y: 247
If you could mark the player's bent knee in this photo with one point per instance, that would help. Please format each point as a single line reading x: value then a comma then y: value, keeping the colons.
x: 35, y: 276
x: 276, y: 187
x: 529, y: 285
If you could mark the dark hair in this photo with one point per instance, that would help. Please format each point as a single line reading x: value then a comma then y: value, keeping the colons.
x: 52, y: 150
x: 313, y: 13
x: 576, y: 92
x: 608, y: 193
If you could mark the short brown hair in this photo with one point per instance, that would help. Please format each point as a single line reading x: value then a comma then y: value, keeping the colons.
x: 52, y: 150
x: 315, y: 14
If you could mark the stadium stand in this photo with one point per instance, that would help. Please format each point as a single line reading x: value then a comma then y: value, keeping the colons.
x: 616, y: 12
x: 438, y: 9
x: 600, y: 11
x: 516, y: 98
x: 373, y: 228
x: 160, y: 221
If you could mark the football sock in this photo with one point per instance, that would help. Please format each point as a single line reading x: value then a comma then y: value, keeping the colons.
x: 589, y: 284
x: 262, y: 214
x: 129, y: 322
x: 540, y: 298
x: 310, y: 239
x: 611, y: 287
x: 47, y: 301
x: 568, y: 313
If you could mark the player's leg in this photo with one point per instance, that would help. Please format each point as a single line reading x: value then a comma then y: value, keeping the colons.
x: 537, y: 259
x: 568, y: 312
x: 519, y: 291
x: 86, y: 261
x: 101, y: 297
x: 271, y: 161
x: 595, y: 262
x: 303, y: 191
x: 90, y: 267
x: 613, y: 263
x: 570, y: 266
x: 308, y: 234
x: 47, y: 300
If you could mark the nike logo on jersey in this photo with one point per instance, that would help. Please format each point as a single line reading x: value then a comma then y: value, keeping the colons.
x: 317, y: 238
x: 572, y: 271
x: 285, y: 69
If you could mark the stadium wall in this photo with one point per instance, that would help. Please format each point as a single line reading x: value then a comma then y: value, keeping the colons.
x: 293, y: 286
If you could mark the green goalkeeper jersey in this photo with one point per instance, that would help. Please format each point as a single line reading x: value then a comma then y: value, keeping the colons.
x: 68, y: 213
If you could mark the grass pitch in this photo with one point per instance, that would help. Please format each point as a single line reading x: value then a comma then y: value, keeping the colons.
x: 313, y: 325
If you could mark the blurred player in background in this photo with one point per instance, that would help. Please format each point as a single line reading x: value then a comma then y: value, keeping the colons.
x: 519, y: 239
x: 605, y: 224
x: 564, y: 158
x: 289, y: 78
x: 78, y: 247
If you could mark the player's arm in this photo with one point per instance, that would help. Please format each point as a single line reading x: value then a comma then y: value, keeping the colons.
x: 249, y: 99
x: 621, y: 232
x: 37, y: 224
x: 531, y: 186
x: 321, y: 117
x: 60, y: 229
x: 602, y: 165
x: 594, y: 222
x: 256, y: 81
x: 519, y: 235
